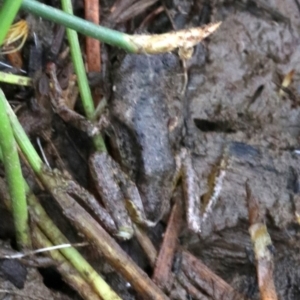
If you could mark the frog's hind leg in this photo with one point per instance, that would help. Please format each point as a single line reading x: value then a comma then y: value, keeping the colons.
x: 104, y: 169
x: 133, y: 201
x: 190, y: 189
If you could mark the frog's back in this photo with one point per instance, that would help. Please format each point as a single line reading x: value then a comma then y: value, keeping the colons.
x: 140, y: 115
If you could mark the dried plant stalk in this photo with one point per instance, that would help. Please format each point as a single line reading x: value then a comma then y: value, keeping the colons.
x: 206, y: 280
x: 162, y: 271
x: 93, y: 57
x: 262, y: 245
x: 161, y: 43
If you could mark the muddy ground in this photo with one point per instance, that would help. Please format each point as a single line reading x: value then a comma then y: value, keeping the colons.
x: 236, y: 92
x: 236, y: 109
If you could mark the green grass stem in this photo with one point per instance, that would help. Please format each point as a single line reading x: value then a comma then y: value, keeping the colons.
x: 14, y: 177
x: 41, y: 217
x: 84, y: 89
x: 43, y: 223
x: 23, y: 140
x: 15, y: 79
x: 67, y: 271
x: 8, y: 12
x: 106, y: 35
x: 56, y: 237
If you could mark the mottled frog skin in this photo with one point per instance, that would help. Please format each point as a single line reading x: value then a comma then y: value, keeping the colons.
x: 142, y: 107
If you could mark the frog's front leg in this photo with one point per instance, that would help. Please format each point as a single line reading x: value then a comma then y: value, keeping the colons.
x: 60, y: 106
x: 119, y: 194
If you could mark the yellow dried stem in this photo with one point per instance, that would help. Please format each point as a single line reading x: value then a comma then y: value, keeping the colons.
x: 262, y: 245
x: 261, y: 241
x: 287, y: 80
x: 264, y: 260
x: 160, y: 43
x: 297, y: 217
x: 17, y: 32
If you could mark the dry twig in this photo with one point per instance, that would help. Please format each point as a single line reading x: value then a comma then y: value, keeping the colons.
x: 206, y: 280
x: 262, y: 245
x: 93, y: 57
x: 161, y: 275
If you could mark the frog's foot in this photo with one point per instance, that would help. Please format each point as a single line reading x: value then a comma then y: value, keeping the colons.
x: 137, y: 213
x: 133, y: 201
x: 124, y: 233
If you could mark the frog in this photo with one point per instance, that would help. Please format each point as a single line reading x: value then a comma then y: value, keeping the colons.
x: 147, y: 125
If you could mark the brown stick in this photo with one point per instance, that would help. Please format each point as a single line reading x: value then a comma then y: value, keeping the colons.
x: 206, y: 280
x: 188, y: 286
x: 161, y: 274
x: 146, y: 244
x: 192, y: 271
x: 123, y: 11
x: 150, y: 17
x: 203, y: 278
x: 93, y: 57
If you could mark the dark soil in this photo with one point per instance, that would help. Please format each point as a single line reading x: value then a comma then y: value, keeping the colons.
x: 234, y: 97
